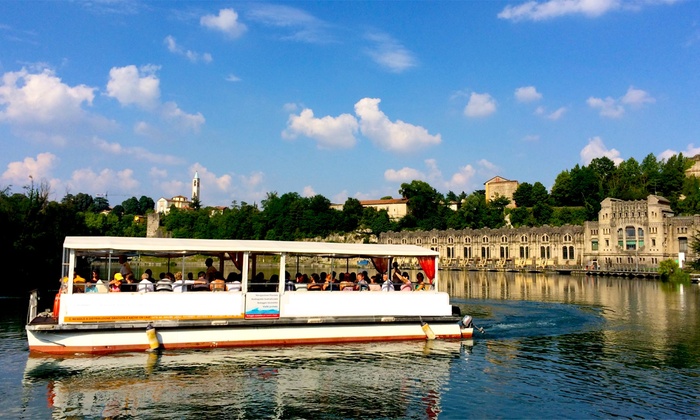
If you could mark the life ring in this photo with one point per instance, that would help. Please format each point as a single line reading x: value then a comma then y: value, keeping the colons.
x: 56, y: 304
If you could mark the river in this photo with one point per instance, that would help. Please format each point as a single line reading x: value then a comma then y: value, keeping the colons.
x: 555, y: 347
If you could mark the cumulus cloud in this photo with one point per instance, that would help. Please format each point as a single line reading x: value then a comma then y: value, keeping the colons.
x: 171, y: 111
x: 38, y: 168
x: 137, y: 153
x: 232, y: 78
x: 636, y: 97
x: 192, y: 56
x: 141, y: 87
x: 329, y: 132
x: 85, y: 179
x: 222, y: 183
x: 308, y: 191
x: 226, y: 21
x: 614, y: 108
x: 404, y: 174
x: 132, y: 86
x: 389, y: 53
x: 397, y: 136
x: 527, y: 94
x: 41, y: 98
x: 480, y: 105
x: 690, y: 151
x: 596, y: 149
x: 537, y: 11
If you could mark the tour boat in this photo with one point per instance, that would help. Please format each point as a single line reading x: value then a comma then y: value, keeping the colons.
x: 249, y: 314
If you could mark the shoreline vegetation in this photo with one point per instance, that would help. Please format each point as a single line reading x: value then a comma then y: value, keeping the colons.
x: 35, y: 226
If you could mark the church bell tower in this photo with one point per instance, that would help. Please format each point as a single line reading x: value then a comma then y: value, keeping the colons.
x: 195, y: 186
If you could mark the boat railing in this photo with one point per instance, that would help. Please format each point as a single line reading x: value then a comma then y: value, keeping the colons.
x: 33, y: 305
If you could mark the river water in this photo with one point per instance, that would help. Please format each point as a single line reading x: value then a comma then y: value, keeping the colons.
x: 555, y: 347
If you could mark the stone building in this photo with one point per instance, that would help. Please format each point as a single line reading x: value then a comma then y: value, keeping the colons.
x: 396, y: 208
x: 628, y: 235
x: 500, y: 187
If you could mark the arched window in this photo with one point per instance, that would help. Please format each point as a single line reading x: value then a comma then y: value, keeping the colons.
x: 567, y: 238
x: 419, y: 241
x: 504, y: 239
x: 450, y: 240
x: 571, y: 252
x: 523, y: 238
x: 467, y: 240
x: 433, y: 240
x: 404, y: 241
x: 565, y: 252
x: 545, y: 238
x: 485, y: 239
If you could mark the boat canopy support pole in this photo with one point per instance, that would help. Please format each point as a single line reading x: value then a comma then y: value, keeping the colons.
x: 245, y: 272
x: 282, y: 279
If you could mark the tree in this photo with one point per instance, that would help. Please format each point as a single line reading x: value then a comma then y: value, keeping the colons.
x: 424, y: 202
x: 562, y: 190
x: 99, y: 204
x: 523, y: 195
x: 146, y: 204
x: 352, y: 214
x: 670, y: 271
x: 131, y: 206
x: 539, y: 193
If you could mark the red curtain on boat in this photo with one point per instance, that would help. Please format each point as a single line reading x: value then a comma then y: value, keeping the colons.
x: 380, y: 264
x: 237, y: 259
x: 428, y: 265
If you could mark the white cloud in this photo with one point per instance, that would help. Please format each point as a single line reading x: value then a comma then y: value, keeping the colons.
x: 192, y: 56
x: 302, y: 26
x: 38, y: 169
x: 462, y: 179
x: 557, y: 114
x: 329, y: 132
x: 404, y: 174
x: 480, y: 105
x: 226, y: 21
x: 596, y: 149
x: 690, y: 151
x: 389, y: 53
x: 636, y: 97
x: 397, y: 136
x: 232, y: 78
x: 107, y: 180
x: 222, y: 183
x: 308, y: 191
x: 41, y: 98
x: 613, y: 108
x: 536, y: 11
x: 141, y: 87
x: 156, y: 172
x: 132, y: 86
x: 137, y: 153
x: 192, y: 121
x: 527, y: 94
x: 608, y: 107
x: 142, y: 128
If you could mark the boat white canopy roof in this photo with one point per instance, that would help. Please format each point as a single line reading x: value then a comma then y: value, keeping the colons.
x: 104, y: 245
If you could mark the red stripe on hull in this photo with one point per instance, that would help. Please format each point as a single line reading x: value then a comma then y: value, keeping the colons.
x: 225, y: 344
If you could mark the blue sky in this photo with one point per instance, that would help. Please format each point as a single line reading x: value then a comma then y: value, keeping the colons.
x: 343, y: 99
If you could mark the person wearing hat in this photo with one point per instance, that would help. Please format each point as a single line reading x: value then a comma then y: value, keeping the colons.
x: 116, y: 282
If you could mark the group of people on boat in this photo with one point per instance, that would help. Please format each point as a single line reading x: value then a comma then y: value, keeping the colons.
x: 211, y: 279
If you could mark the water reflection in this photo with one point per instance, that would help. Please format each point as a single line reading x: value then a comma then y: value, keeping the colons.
x: 356, y: 381
x: 648, y: 323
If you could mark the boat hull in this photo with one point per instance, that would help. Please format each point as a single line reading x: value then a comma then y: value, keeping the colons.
x: 135, y: 338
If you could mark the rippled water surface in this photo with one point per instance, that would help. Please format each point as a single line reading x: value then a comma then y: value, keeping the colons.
x: 554, y: 347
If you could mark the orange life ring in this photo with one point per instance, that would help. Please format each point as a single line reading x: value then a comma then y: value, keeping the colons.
x: 56, y: 304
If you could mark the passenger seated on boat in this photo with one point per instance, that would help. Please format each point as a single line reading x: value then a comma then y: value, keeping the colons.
x: 165, y: 284
x: 179, y: 283
x: 406, y: 286
x: 272, y: 283
x: 289, y: 285
x: 202, y: 283
x: 302, y: 282
x: 374, y: 285
x: 219, y: 284
x: 345, y: 283
x: 315, y: 283
x: 78, y: 283
x: 362, y: 281
x: 233, y: 282
x: 115, y: 283
x: 145, y: 284
x: 387, y: 285
x: 421, y: 285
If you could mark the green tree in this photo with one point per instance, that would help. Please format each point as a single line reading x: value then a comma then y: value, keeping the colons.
x: 146, y: 205
x: 523, y: 195
x: 352, y: 214
x: 670, y: 271
x: 424, y: 203
x: 131, y: 206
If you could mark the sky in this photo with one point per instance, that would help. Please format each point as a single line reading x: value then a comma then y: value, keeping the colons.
x: 123, y: 98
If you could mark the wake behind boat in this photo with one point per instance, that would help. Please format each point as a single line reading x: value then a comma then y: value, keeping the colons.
x: 246, y: 312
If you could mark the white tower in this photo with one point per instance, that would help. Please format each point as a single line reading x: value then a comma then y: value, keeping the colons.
x: 195, y: 186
